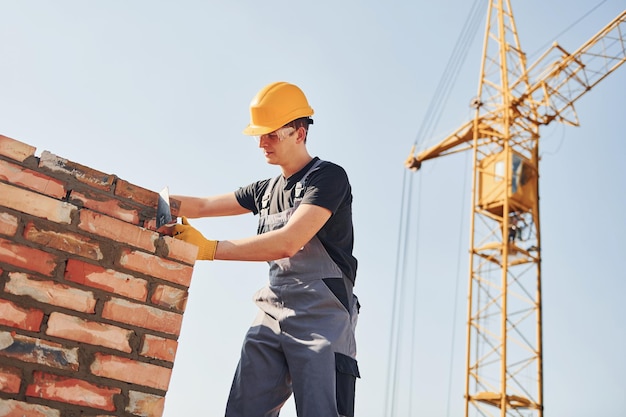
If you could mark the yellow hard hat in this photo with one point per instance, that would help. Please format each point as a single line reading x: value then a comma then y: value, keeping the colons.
x: 276, y: 105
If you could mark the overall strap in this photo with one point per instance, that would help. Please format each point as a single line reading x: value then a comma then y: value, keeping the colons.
x: 265, y: 202
x: 301, y: 184
x: 299, y: 189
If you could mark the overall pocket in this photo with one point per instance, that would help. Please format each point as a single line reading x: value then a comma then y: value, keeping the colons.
x: 347, y: 373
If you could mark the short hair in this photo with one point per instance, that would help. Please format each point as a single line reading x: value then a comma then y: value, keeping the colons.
x: 301, y: 122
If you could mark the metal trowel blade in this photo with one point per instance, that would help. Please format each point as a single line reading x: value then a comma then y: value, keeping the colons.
x: 164, y: 214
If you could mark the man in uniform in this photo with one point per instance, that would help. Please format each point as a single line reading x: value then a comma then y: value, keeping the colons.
x: 302, y: 340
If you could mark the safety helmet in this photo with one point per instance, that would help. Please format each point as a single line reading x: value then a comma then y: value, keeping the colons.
x: 276, y: 105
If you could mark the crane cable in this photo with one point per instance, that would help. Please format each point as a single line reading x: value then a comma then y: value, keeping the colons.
x: 450, y: 74
x: 567, y: 29
x: 429, y: 123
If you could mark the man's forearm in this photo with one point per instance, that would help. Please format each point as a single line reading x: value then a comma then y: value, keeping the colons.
x: 264, y: 247
x: 220, y: 205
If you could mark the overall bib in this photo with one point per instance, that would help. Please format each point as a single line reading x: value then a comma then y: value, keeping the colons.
x: 302, y: 341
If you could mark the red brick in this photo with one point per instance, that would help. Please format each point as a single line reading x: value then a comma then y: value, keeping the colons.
x: 84, y: 174
x: 13, y: 315
x: 72, y: 391
x: 181, y: 250
x: 170, y: 297
x: 145, y: 405
x: 27, y: 178
x: 27, y: 258
x: 117, y: 230
x: 14, y: 149
x: 159, y: 348
x: 107, y: 205
x: 128, y: 370
x: 135, y: 193
x: 67, y: 242
x: 13, y: 408
x: 156, y: 267
x: 39, y: 351
x: 51, y: 292
x: 108, y: 280
x: 8, y: 224
x: 143, y: 316
x: 10, y: 379
x: 36, y: 204
x: 91, y: 332
x: 150, y: 224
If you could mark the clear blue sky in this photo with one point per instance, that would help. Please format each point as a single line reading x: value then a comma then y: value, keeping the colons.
x: 157, y: 92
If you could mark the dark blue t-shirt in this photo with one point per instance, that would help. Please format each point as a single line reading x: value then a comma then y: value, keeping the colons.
x: 327, y: 187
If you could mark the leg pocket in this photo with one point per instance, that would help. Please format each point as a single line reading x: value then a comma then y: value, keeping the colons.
x: 347, y: 373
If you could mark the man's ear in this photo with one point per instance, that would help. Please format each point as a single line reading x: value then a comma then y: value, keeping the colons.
x: 301, y: 134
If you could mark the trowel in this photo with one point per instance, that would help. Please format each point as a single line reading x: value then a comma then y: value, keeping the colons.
x: 164, y: 214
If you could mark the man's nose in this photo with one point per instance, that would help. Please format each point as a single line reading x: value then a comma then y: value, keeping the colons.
x: 263, y: 140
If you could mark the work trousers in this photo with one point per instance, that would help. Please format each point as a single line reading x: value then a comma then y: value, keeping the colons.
x: 301, y: 342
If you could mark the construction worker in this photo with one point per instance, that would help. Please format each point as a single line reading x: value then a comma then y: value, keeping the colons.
x: 302, y: 340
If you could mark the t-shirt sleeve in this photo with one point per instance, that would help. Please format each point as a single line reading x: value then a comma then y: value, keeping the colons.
x: 249, y: 196
x: 328, y: 187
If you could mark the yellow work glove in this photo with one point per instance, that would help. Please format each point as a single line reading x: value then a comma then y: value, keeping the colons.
x: 187, y: 233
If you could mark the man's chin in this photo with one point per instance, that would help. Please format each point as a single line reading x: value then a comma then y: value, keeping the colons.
x: 270, y: 160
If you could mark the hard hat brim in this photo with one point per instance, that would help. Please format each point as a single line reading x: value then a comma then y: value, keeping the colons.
x: 251, y: 130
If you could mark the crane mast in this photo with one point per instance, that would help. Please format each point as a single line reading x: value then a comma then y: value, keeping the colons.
x: 504, y: 353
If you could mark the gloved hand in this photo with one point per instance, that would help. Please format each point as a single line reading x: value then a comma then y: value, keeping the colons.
x: 187, y: 233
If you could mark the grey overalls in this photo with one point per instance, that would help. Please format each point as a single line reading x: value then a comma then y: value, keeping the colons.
x: 303, y: 337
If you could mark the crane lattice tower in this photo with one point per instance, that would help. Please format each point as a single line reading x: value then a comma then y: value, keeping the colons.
x: 504, y: 354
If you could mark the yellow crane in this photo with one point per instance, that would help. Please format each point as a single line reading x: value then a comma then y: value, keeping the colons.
x: 504, y: 355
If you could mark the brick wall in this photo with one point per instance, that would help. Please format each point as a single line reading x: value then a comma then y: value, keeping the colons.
x: 91, y: 297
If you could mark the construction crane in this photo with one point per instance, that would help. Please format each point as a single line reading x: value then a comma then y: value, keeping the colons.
x: 504, y: 356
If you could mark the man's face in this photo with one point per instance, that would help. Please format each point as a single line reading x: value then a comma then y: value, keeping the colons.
x: 277, y: 145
